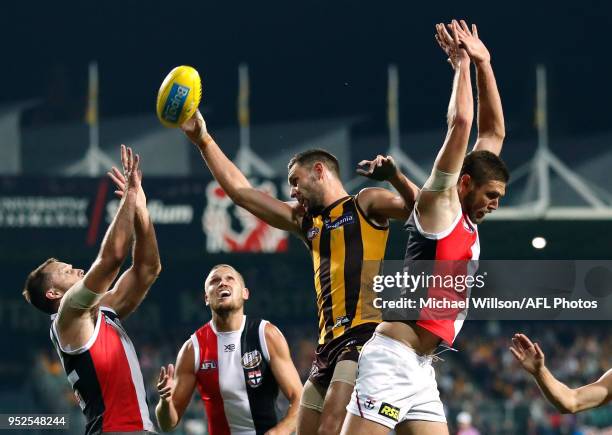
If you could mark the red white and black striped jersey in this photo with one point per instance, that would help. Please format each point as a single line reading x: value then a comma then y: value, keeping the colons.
x: 460, y: 244
x: 106, y: 379
x: 234, y: 378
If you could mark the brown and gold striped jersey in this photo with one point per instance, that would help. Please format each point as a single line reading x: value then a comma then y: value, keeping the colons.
x: 347, y: 252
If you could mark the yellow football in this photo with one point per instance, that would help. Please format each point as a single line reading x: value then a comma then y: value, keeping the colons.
x: 179, y: 96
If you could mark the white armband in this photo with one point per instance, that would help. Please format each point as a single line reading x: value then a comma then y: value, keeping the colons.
x: 80, y: 297
x: 439, y: 181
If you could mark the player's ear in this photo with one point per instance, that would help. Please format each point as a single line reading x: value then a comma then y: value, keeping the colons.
x: 465, y: 182
x: 246, y: 294
x: 206, y: 298
x: 318, y: 168
x: 53, y: 293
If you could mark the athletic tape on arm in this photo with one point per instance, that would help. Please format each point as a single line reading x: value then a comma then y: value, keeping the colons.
x: 81, y: 298
x: 439, y: 181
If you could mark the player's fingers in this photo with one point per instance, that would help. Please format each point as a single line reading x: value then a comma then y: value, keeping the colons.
x: 119, y: 193
x: 136, y: 164
x: 363, y: 173
x: 518, y: 345
x: 171, y: 371
x: 455, y: 32
x: 162, y: 374
x: 515, y: 353
x: 465, y: 27
x: 123, y: 156
x: 118, y: 174
x: 527, y: 343
x: 475, y: 31
x: 538, y: 350
x: 447, y: 37
x: 363, y: 162
x: 116, y: 180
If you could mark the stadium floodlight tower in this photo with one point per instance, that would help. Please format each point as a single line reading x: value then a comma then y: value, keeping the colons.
x: 95, y: 161
x: 248, y: 162
x: 538, y: 171
x: 403, y: 162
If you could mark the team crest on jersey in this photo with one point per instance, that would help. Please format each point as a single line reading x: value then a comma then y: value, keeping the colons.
x: 250, y: 360
x: 345, y: 219
x: 312, y: 233
x: 208, y: 365
x: 254, y: 378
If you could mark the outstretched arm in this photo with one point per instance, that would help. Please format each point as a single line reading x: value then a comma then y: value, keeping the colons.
x: 134, y: 283
x: 565, y: 399
x: 438, y: 203
x: 286, y: 376
x: 279, y: 214
x: 175, y: 388
x: 78, y: 300
x: 491, y: 129
x: 380, y: 204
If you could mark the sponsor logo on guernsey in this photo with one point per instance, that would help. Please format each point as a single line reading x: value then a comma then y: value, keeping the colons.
x: 312, y: 233
x: 250, y: 360
x: 175, y: 102
x: 389, y: 411
x: 345, y: 219
x: 341, y: 321
x: 254, y: 378
x: 208, y: 365
x: 229, y: 347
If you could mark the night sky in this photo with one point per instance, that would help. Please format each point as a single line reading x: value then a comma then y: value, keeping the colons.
x: 308, y: 59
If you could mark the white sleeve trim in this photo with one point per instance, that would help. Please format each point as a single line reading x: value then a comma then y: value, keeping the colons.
x: 262, y: 339
x: 87, y: 345
x: 196, y: 352
x: 441, y: 234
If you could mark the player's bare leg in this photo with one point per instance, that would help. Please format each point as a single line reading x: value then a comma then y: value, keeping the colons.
x: 308, y: 421
x: 355, y: 425
x: 334, y: 408
x: 420, y: 427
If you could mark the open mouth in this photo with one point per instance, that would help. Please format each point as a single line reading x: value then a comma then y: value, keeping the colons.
x: 224, y: 294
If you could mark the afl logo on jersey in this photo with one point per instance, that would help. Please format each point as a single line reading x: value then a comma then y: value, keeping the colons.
x: 312, y: 233
x: 250, y: 360
x: 208, y: 365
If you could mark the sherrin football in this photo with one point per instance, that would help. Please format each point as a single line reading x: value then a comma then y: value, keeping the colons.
x: 179, y: 96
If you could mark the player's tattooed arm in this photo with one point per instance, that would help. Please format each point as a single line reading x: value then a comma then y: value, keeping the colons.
x: 565, y: 399
x: 381, y: 204
x: 134, y: 283
x: 175, y: 388
x: 491, y: 128
x: 275, y: 212
x: 286, y: 376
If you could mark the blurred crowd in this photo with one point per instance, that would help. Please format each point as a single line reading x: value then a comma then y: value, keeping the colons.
x: 483, y: 388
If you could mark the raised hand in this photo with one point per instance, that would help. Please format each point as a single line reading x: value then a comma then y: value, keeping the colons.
x: 382, y: 168
x: 195, y: 127
x: 165, y: 383
x: 527, y: 353
x: 450, y: 44
x: 472, y: 44
x: 130, y: 164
